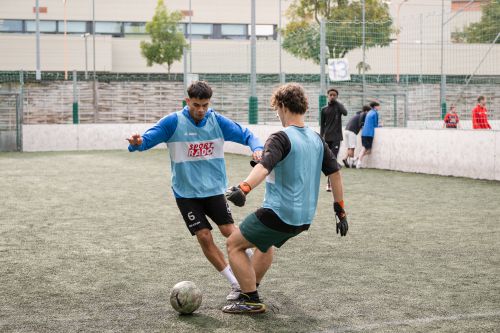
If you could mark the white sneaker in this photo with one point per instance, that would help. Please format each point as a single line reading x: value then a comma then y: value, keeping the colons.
x: 234, y: 294
x: 358, y: 165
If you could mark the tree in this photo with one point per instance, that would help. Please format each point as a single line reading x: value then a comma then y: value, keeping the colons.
x: 363, y: 67
x: 343, y: 28
x: 485, y: 30
x: 167, y: 42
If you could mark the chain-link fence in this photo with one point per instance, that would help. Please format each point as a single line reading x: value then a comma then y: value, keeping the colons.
x: 410, y: 71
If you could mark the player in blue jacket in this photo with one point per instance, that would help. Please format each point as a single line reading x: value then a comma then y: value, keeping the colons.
x: 368, y: 132
x: 195, y: 139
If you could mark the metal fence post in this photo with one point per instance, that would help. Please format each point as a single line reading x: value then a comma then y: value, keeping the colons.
x: 322, y: 61
x: 75, y: 98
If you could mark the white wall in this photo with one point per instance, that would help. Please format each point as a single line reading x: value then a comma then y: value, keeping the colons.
x: 464, y: 153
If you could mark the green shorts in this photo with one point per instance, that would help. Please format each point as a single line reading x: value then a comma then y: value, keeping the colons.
x: 261, y: 235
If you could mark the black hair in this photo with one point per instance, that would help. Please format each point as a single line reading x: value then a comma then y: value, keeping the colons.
x: 200, y: 90
x: 366, y: 108
x: 480, y: 98
x: 333, y: 89
x: 374, y: 104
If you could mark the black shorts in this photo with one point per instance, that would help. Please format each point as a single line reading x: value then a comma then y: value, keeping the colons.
x: 334, y: 147
x: 367, y: 141
x: 195, y: 212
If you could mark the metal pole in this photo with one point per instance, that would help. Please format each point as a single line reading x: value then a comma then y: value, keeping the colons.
x: 93, y: 56
x: 421, y: 47
x: 364, y: 49
x: 282, y: 77
x: 185, y: 68
x: 86, y: 56
x: 253, y: 101
x: 76, y: 118
x: 397, y: 39
x: 93, y: 35
x: 253, y: 46
x: 322, y: 61
x: 442, y: 90
x: 65, y: 44
x: 190, y: 40
x: 38, y: 71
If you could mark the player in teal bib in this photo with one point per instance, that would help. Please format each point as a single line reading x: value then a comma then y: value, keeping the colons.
x: 195, y: 138
x: 292, y: 163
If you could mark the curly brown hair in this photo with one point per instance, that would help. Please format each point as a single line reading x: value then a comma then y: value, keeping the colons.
x: 292, y: 96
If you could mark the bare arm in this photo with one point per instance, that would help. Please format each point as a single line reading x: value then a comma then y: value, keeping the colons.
x: 337, y: 186
x: 256, y: 176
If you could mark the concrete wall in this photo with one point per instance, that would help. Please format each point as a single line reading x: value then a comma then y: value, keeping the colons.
x: 17, y: 51
x: 419, y: 49
x: 218, y: 11
x: 465, y: 153
x: 8, y: 141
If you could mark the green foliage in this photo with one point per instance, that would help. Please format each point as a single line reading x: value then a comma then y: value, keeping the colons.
x: 343, y: 28
x: 485, y: 30
x: 363, y: 67
x: 167, y: 42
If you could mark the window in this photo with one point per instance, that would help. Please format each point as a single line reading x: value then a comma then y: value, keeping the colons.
x: 11, y: 26
x: 114, y: 28
x: 262, y: 31
x: 72, y: 27
x: 201, y: 30
x: 134, y: 27
x: 181, y: 27
x: 233, y: 31
x: 45, y: 26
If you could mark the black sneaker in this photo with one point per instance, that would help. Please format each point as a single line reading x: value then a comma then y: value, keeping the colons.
x: 346, y: 164
x: 244, y: 306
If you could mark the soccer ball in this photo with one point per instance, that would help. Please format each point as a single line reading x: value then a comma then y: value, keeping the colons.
x: 185, y: 297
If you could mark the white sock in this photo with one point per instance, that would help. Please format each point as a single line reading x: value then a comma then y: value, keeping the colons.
x: 229, y: 275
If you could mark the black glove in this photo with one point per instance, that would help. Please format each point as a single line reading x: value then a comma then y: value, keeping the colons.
x: 342, y: 225
x: 236, y: 195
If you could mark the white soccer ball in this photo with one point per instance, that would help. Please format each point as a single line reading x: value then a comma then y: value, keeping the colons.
x: 185, y: 297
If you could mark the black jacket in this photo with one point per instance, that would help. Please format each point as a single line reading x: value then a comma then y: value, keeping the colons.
x: 355, y: 124
x: 331, y: 121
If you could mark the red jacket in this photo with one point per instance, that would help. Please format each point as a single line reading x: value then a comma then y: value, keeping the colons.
x: 480, y: 118
x: 451, y: 120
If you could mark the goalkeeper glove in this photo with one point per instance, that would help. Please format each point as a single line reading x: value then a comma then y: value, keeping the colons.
x: 238, y: 194
x: 342, y: 225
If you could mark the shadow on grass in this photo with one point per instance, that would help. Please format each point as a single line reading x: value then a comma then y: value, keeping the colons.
x: 200, y: 321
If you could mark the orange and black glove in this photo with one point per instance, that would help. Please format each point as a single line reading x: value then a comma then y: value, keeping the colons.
x: 342, y: 225
x: 238, y: 194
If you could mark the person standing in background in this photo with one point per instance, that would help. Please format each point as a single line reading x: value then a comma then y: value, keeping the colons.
x: 331, y: 124
x: 368, y: 132
x: 354, y: 125
x: 451, y: 119
x: 480, y: 115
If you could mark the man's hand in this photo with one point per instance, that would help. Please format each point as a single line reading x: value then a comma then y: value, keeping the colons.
x: 257, y: 155
x: 342, y: 225
x: 135, y: 139
x: 238, y: 194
